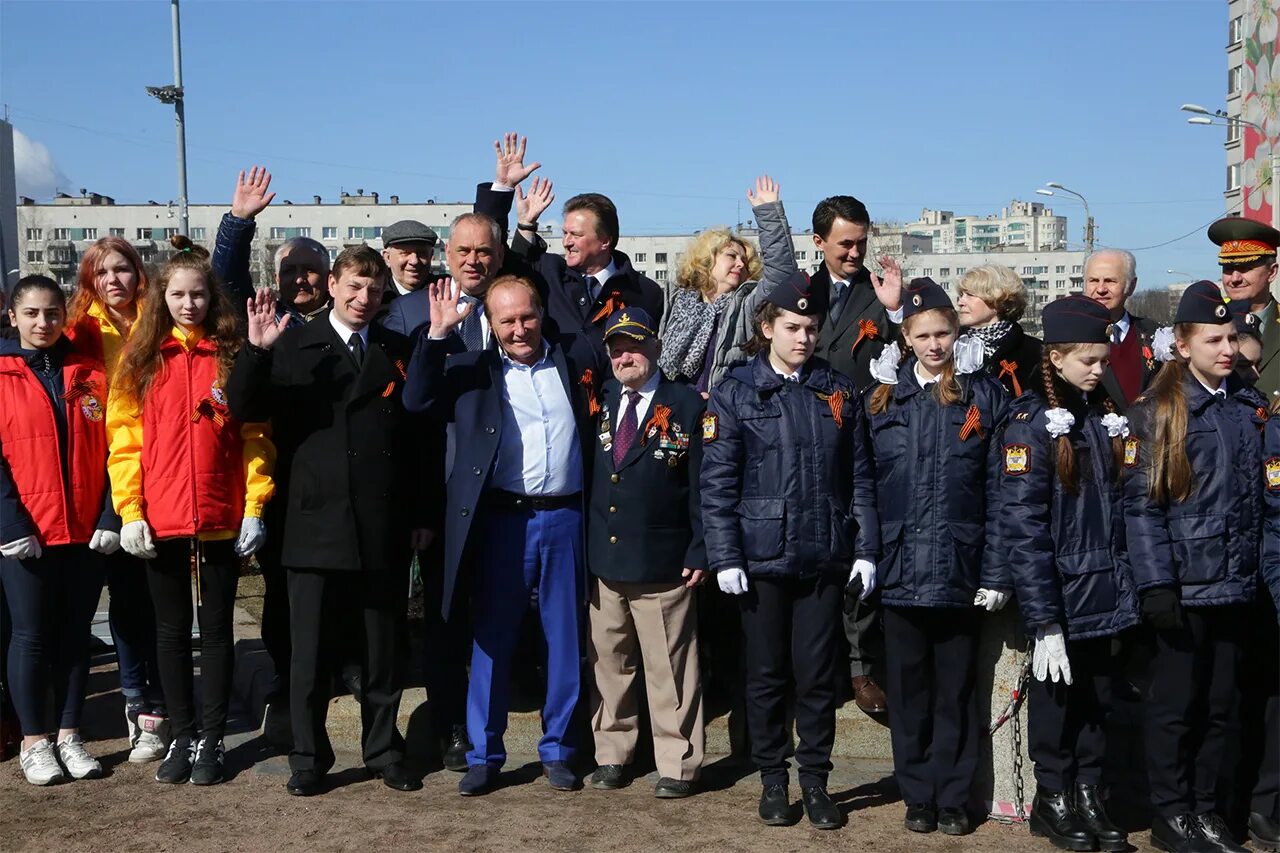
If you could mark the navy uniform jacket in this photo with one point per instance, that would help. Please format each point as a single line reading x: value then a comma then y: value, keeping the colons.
x: 1207, y: 546
x: 1067, y: 551
x: 787, y: 488
x: 644, y: 521
x: 466, y: 388
x: 1271, y: 508
x: 936, y: 492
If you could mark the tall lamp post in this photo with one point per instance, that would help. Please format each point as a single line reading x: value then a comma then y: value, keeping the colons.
x: 1088, y: 217
x: 1203, y: 116
x: 173, y: 95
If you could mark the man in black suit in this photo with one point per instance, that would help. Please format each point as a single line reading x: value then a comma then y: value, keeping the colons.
x: 646, y: 555
x: 1110, y: 278
x: 363, y: 487
x: 515, y: 505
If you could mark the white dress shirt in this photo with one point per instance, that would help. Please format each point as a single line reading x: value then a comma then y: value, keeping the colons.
x: 404, y: 291
x: 924, y: 380
x: 538, y: 451
x: 601, y: 277
x: 642, y: 405
x: 344, y: 331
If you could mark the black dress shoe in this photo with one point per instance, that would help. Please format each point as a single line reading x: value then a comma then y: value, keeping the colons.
x: 479, y: 780
x: 922, y: 817
x: 1089, y: 805
x: 1179, y: 834
x: 1054, y: 818
x: 560, y: 776
x: 396, y: 775
x: 609, y: 777
x: 305, y: 783
x: 454, y: 749
x: 823, y: 813
x: 954, y: 821
x: 1264, y: 831
x: 672, y: 789
x: 775, y: 806
x: 1215, y: 831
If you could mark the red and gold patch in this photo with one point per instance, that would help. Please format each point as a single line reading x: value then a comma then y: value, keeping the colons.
x: 1272, y: 467
x: 710, y: 427
x: 1130, y: 452
x: 1017, y: 459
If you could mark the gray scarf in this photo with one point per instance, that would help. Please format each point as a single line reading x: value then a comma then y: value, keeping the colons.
x: 689, y: 327
x: 992, y: 335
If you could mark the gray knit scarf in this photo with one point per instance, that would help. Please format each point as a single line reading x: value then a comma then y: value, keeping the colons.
x: 689, y: 326
x: 992, y: 335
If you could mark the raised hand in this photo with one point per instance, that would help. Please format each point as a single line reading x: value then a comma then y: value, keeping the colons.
x: 511, y: 169
x: 767, y: 190
x: 445, y: 316
x: 264, y: 328
x: 889, y: 288
x: 530, y: 207
x: 251, y: 197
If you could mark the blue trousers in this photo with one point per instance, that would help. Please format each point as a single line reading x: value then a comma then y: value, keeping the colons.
x: 519, y: 552
x: 133, y: 627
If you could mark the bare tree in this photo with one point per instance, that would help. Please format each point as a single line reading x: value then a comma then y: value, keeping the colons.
x: 1156, y: 305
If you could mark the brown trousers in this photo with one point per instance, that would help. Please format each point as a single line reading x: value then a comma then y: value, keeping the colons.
x: 657, y: 622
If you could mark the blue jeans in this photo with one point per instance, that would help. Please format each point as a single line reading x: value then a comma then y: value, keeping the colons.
x: 133, y: 627
x: 51, y: 604
x: 520, y: 551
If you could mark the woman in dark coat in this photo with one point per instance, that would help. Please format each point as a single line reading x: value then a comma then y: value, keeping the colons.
x: 992, y: 299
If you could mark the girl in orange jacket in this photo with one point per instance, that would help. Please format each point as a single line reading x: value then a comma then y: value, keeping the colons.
x: 190, y: 483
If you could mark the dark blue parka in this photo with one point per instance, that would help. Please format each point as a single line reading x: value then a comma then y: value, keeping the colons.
x: 787, y: 487
x: 1066, y: 551
x: 1207, y: 546
x: 1271, y: 508
x: 936, y: 491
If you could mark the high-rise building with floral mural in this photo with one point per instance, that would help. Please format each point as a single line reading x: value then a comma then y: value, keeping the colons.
x: 1253, y: 106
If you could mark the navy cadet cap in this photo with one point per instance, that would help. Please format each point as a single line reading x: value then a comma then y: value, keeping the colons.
x: 923, y: 294
x: 1076, y: 320
x: 1246, y: 322
x: 796, y: 294
x: 408, y: 231
x: 632, y: 322
x: 1203, y: 302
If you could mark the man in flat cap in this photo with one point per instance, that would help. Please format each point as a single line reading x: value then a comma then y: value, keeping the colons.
x: 1247, y: 253
x: 407, y: 247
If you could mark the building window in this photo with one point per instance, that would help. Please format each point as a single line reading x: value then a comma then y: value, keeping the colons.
x: 142, y: 234
x: 330, y: 232
x: 1235, y: 29
x: 116, y: 232
x: 1060, y: 269
x: 367, y: 232
x: 35, y: 256
x: 198, y: 233
x: 279, y: 233
x: 960, y: 270
x: 1026, y: 271
x: 640, y: 257
x: 802, y: 255
x: 1077, y: 268
x: 170, y: 232
x: 944, y: 272
x: 927, y: 271
x: 35, y: 233
x: 660, y: 258
x: 1233, y: 80
x: 333, y: 255
x: 1233, y: 130
x: 1233, y: 177
x: 659, y: 275
x: 62, y: 233
x: 817, y: 254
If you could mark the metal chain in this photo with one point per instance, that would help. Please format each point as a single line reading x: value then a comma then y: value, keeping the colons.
x: 1019, y: 803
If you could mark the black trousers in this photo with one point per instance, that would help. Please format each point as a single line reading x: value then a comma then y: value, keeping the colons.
x: 275, y: 601
x: 931, y: 672
x: 1259, y: 779
x: 169, y: 579
x: 863, y: 632
x: 448, y: 646
x: 1067, y: 723
x: 1191, y: 704
x: 791, y: 634
x: 329, y: 611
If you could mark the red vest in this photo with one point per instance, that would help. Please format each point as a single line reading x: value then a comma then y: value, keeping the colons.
x: 1126, y: 363
x: 193, y: 478
x: 63, y: 513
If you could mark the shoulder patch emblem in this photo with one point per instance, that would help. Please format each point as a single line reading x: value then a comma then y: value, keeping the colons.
x: 1017, y: 459
x: 710, y: 427
x: 1273, y: 474
x: 1130, y: 452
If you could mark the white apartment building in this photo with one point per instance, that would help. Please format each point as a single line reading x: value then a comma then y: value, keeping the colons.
x: 1023, y: 225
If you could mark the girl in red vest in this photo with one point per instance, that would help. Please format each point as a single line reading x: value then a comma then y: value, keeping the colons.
x: 190, y: 483
x: 56, y: 522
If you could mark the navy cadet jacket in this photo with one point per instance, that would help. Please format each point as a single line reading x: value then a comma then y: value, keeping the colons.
x: 644, y: 523
x: 1207, y: 546
x: 1066, y: 551
x: 466, y: 388
x: 936, y: 491
x: 1271, y: 509
x: 787, y: 488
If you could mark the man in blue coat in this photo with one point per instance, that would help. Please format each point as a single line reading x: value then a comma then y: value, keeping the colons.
x: 515, y: 505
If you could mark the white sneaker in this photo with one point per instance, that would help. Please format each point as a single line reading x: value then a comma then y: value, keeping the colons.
x: 146, y: 745
x: 79, y: 763
x: 40, y: 765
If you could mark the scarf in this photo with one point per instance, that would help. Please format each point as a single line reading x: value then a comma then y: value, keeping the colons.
x: 689, y: 326
x: 991, y: 335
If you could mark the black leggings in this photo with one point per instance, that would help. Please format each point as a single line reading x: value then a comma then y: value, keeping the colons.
x: 51, y: 603
x: 169, y: 579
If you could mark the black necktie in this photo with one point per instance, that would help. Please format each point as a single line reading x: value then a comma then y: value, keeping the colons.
x: 837, y: 304
x: 357, y: 348
x: 472, y: 333
x: 593, y: 285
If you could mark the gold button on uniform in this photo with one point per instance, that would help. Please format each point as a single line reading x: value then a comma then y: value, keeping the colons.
x: 613, y: 478
x: 613, y: 540
x: 613, y: 509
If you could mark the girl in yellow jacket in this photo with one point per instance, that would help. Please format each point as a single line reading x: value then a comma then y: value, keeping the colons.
x: 190, y: 483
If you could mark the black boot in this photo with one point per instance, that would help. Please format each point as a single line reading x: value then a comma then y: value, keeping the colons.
x: 822, y: 812
x: 1264, y: 832
x: 775, y: 806
x: 1089, y: 806
x: 1053, y: 817
x: 1179, y: 834
x: 1215, y: 831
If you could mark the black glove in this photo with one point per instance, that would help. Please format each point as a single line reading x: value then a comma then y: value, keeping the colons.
x: 1162, y: 609
x: 852, y: 595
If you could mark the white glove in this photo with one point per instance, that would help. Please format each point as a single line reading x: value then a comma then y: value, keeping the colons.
x: 866, y: 570
x: 991, y: 599
x: 732, y: 581
x: 1050, y: 656
x: 252, y: 534
x: 105, y: 541
x: 135, y: 537
x: 22, y: 549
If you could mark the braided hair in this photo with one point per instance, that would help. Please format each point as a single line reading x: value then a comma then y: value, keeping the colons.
x: 1064, y: 452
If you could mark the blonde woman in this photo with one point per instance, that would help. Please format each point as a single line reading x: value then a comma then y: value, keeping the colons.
x: 992, y: 299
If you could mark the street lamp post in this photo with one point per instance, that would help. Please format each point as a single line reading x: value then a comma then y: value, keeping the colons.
x: 1088, y: 217
x: 174, y: 95
x: 1205, y: 117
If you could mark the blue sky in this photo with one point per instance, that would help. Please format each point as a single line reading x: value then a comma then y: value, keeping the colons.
x: 670, y: 108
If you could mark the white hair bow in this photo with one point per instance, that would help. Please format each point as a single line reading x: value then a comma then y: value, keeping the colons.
x: 884, y: 367
x: 1162, y: 343
x: 1117, y: 426
x: 1060, y: 422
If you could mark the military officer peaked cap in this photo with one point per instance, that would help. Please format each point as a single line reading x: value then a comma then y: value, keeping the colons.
x: 408, y: 231
x: 923, y: 294
x: 1243, y: 241
x: 1203, y: 302
x: 632, y: 322
x: 1076, y: 320
x: 796, y: 294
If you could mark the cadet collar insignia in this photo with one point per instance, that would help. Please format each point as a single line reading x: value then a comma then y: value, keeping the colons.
x: 1017, y: 459
x: 1022, y: 416
x: 588, y: 384
x: 867, y: 329
x: 659, y: 421
x: 1273, y: 474
x: 710, y: 427
x: 1130, y: 452
x: 972, y: 423
x: 1010, y: 369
